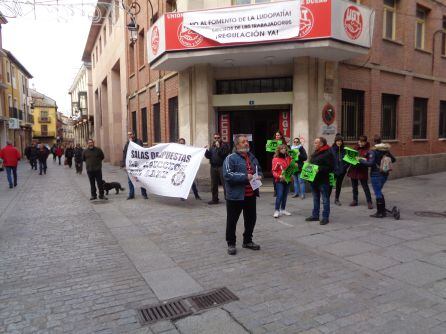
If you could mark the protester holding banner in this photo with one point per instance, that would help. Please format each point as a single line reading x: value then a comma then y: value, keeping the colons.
x: 359, y: 173
x: 131, y: 137
x: 340, y: 166
x: 182, y: 141
x: 216, y: 155
x: 93, y: 157
x: 239, y: 170
x: 320, y: 187
x: 280, y: 163
x: 299, y: 184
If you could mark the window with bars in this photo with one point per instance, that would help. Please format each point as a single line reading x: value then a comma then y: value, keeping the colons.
x: 420, y: 27
x: 173, y: 119
x: 419, y: 118
x: 389, y: 19
x: 156, y: 123
x: 389, y: 105
x: 442, y: 125
x: 134, y: 124
x: 352, y: 118
x: 145, y: 136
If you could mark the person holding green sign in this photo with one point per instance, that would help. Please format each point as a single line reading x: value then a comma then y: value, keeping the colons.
x: 281, y: 162
x: 320, y: 187
x: 299, y: 183
x: 280, y: 139
x: 340, y: 166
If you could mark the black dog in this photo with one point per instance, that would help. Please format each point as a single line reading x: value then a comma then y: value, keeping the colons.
x: 110, y: 185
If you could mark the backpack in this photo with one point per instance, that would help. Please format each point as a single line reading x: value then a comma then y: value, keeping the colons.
x: 385, y: 165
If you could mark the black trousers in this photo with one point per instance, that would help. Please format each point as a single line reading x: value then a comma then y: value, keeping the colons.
x: 365, y: 187
x: 339, y: 179
x: 96, y: 176
x: 33, y: 163
x: 216, y: 176
x: 233, y: 211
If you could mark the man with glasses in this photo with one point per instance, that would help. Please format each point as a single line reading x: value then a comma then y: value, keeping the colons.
x: 216, y: 155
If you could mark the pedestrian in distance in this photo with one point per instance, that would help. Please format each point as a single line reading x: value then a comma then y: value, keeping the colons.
x: 43, y: 154
x: 359, y: 173
x: 239, y: 169
x: 299, y: 184
x: 10, y: 156
x: 340, y: 166
x: 93, y: 157
x: 69, y: 154
x: 78, y: 162
x: 59, y: 152
x: 131, y: 137
x: 182, y: 141
x: 216, y: 155
x: 31, y: 153
x: 53, y: 152
x: 320, y: 187
x: 280, y: 162
x: 380, y: 160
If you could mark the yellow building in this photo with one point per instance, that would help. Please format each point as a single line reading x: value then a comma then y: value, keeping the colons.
x: 15, y: 99
x: 45, y: 118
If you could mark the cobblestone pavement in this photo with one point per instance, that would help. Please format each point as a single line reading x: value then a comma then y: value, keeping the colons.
x: 69, y: 265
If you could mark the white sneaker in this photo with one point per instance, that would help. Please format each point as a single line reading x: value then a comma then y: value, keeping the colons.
x: 284, y: 212
x: 276, y: 214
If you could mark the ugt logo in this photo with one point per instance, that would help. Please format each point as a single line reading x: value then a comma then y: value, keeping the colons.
x: 306, y: 21
x: 353, y: 22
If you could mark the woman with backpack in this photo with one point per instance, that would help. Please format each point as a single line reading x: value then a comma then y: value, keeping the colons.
x: 380, y: 160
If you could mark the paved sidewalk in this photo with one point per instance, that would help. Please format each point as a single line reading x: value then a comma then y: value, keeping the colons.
x: 69, y: 265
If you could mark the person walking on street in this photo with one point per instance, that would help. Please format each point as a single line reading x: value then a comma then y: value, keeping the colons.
x: 359, y: 173
x: 379, y: 159
x: 320, y: 187
x: 131, y: 137
x: 299, y: 184
x: 59, y: 152
x: 31, y: 153
x: 53, y: 151
x: 43, y: 154
x: 182, y: 141
x: 280, y: 162
x: 239, y: 169
x: 278, y: 136
x: 69, y: 154
x: 340, y: 166
x: 216, y: 155
x: 78, y: 158
x: 93, y: 157
x: 10, y: 156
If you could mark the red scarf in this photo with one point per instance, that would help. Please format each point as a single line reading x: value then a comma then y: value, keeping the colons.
x: 248, y: 189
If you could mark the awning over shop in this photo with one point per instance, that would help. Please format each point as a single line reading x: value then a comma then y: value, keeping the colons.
x: 271, y: 33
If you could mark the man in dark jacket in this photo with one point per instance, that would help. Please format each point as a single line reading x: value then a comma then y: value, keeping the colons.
x: 31, y: 153
x: 216, y: 155
x: 131, y: 137
x: 340, y: 166
x: 323, y: 158
x: 93, y: 157
x: 78, y: 158
x: 238, y: 169
x: 43, y: 154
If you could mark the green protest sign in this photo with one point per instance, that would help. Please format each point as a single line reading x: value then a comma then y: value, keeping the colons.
x: 309, y: 172
x: 294, y: 154
x: 290, y: 171
x: 332, y: 179
x: 271, y: 145
x: 350, y: 156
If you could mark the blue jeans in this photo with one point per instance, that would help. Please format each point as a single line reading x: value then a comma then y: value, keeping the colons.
x: 42, y: 167
x: 132, y: 190
x: 282, y: 190
x: 10, y: 173
x: 318, y: 190
x: 378, y: 182
x: 299, y: 185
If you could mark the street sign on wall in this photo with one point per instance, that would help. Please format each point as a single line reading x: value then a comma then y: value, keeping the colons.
x: 14, y: 123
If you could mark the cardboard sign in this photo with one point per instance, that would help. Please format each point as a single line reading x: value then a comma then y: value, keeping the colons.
x: 271, y: 145
x: 290, y: 171
x: 294, y: 154
x: 350, y: 156
x: 332, y: 179
x: 309, y: 172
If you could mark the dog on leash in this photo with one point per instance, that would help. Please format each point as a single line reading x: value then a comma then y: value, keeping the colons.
x: 112, y: 185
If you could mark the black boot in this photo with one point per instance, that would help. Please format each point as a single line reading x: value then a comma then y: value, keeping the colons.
x: 384, y: 211
x: 380, y: 207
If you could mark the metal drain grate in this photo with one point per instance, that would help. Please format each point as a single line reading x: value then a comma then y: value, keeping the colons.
x: 430, y: 214
x: 166, y: 311
x: 212, y: 299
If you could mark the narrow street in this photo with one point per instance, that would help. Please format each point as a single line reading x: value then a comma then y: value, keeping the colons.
x: 69, y: 265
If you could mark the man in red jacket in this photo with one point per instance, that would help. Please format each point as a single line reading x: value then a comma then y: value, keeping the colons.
x: 11, y: 157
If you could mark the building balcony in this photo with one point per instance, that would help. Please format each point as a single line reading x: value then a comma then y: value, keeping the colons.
x: 13, y: 112
x: 40, y: 134
x: 45, y: 119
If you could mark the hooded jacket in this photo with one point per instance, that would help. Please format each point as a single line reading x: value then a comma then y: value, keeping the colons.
x: 374, y: 157
x: 323, y: 158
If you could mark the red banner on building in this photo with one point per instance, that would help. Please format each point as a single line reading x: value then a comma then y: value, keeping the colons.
x: 284, y: 124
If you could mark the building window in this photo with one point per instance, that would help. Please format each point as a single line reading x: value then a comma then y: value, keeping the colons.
x: 116, y: 9
x: 389, y: 19
x: 44, y: 130
x: 173, y: 119
x: 131, y: 59
x: 442, y: 132
x: 443, y: 38
x: 145, y: 137
x: 141, y: 49
x: 97, y: 53
x: 419, y: 118
x: 156, y: 123
x: 352, y: 114
x: 171, y: 6
x: 134, y: 124
x: 420, y: 27
x: 388, y: 116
